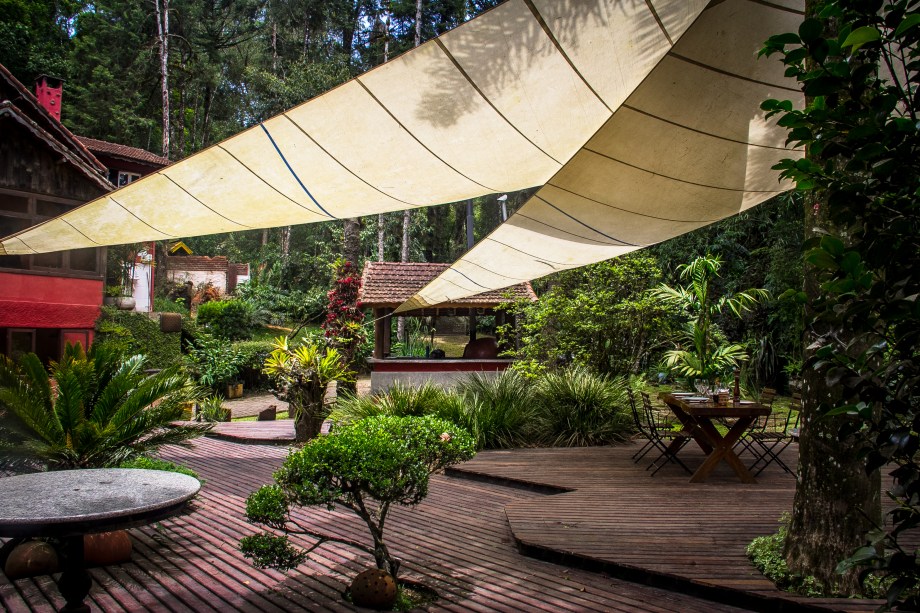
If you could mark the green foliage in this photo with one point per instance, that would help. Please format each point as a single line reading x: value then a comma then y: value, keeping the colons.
x: 365, y: 466
x: 149, y: 463
x: 211, y: 409
x: 277, y: 305
x: 165, y: 305
x: 134, y: 333
x: 102, y: 410
x: 301, y: 374
x: 599, y: 316
x: 766, y: 553
x: 270, y: 551
x: 578, y: 408
x: 858, y: 63
x: 229, y: 319
x: 708, y: 356
x: 214, y: 362
x: 498, y: 411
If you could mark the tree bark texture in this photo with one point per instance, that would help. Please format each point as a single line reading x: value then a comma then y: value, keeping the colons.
x: 351, y: 240
x: 162, y: 14
x: 835, y: 501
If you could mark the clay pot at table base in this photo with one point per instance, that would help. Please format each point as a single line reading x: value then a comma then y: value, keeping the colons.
x: 107, y: 548
x: 31, y: 559
x: 374, y: 589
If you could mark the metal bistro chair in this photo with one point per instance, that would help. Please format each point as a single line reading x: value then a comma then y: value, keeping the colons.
x: 662, y: 436
x: 760, y: 425
x: 767, y: 445
x: 641, y: 426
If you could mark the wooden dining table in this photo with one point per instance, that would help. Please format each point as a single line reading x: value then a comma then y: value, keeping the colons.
x: 697, y: 419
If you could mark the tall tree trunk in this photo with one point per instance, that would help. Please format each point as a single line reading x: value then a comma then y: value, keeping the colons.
x: 351, y: 240
x: 836, y: 503
x: 285, y: 244
x: 381, y: 236
x: 162, y: 15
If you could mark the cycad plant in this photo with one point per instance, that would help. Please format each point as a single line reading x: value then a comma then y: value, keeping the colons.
x: 92, y: 409
x: 703, y: 354
x: 301, y: 375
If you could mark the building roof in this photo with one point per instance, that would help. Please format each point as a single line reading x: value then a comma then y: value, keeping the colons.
x: 389, y: 284
x: 122, y: 151
x: 27, y: 106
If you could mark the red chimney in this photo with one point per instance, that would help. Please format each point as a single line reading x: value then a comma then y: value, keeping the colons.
x: 49, y: 90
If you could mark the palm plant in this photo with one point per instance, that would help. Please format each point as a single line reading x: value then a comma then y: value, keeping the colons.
x: 91, y: 409
x: 301, y: 375
x: 707, y: 356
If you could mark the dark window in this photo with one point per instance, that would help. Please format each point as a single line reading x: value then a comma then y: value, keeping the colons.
x: 11, y: 225
x: 51, y: 209
x: 84, y: 259
x: 14, y: 204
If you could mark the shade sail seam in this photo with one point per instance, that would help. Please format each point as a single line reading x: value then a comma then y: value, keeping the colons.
x: 575, y: 219
x: 654, y: 13
x: 706, y: 221
x: 497, y: 274
x: 294, y: 174
x: 269, y: 185
x: 779, y: 7
x: 543, y: 223
x: 468, y: 279
x: 552, y: 37
x: 133, y: 214
x: 417, y: 139
x: 663, y: 176
x: 193, y: 197
x: 727, y: 73
x: 538, y: 259
x: 80, y: 232
x: 348, y: 169
x: 703, y: 132
x: 486, y: 99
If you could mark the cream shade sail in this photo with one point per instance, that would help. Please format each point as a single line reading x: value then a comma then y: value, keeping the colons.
x: 639, y: 118
x: 500, y: 103
x: 688, y: 147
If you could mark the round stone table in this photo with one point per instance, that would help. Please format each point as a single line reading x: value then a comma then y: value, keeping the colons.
x: 70, y: 503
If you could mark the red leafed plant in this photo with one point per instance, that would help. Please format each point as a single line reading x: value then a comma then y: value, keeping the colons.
x: 344, y: 318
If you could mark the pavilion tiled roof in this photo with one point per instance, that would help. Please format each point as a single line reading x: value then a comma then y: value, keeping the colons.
x: 389, y: 284
x: 122, y: 151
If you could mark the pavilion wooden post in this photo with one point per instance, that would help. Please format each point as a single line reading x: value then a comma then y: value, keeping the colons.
x: 472, y: 325
x: 387, y: 332
x: 379, y: 326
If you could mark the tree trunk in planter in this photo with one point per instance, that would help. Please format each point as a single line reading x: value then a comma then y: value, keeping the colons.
x: 309, y: 412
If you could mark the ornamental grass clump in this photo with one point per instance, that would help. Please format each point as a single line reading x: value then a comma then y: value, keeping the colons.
x: 401, y: 400
x: 499, y: 410
x: 366, y: 467
x: 578, y: 408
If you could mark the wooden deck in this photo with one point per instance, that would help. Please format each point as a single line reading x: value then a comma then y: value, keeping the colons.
x: 457, y: 541
x: 608, y: 514
x: 279, y: 432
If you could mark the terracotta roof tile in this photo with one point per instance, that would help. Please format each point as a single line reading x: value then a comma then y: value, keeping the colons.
x: 389, y: 284
x: 122, y: 151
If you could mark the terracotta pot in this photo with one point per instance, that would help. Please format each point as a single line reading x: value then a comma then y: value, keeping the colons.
x: 31, y: 559
x: 374, y: 589
x: 106, y: 548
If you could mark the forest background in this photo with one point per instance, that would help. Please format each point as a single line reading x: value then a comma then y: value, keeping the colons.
x: 176, y: 76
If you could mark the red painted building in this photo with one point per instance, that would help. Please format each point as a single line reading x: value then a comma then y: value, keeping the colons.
x: 49, y: 299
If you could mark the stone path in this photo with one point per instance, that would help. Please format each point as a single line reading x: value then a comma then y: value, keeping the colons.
x: 251, y: 403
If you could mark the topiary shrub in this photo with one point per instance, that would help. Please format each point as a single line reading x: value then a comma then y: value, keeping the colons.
x: 366, y: 467
x: 578, y: 408
x: 229, y: 319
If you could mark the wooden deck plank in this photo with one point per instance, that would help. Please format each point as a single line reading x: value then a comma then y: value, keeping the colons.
x: 458, y: 541
x: 609, y: 513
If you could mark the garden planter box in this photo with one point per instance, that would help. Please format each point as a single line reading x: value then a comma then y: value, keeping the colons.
x: 235, y: 390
